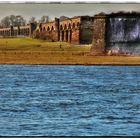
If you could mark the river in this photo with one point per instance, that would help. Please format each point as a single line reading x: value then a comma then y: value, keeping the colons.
x: 63, y: 100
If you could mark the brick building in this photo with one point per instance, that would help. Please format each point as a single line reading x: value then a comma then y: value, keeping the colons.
x: 105, y: 31
x: 26, y: 30
x: 77, y: 30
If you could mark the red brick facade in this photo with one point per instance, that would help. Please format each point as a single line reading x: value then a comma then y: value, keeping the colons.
x: 70, y: 30
x: 76, y: 30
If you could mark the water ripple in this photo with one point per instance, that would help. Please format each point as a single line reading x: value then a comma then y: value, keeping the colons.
x: 45, y: 100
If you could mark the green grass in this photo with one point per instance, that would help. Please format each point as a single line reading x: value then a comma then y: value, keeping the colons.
x: 35, y: 51
x: 29, y: 44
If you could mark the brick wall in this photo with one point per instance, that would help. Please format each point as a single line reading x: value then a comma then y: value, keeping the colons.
x: 69, y: 30
x: 50, y: 30
x: 74, y: 30
x: 75, y: 36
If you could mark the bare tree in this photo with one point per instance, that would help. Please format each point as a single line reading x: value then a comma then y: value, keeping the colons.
x: 32, y: 20
x: 44, y: 19
x: 13, y: 20
x: 5, y: 22
x: 20, y: 20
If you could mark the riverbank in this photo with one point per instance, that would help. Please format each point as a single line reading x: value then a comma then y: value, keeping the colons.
x: 26, y: 57
x: 33, y: 51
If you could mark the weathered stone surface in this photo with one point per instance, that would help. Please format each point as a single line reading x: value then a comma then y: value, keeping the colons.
x: 99, y: 30
x: 86, y: 30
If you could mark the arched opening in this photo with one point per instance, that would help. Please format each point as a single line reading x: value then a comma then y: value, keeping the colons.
x: 40, y: 28
x: 65, y: 27
x: 52, y: 28
x: 69, y: 26
x: 48, y: 29
x: 62, y: 35
x: 73, y: 25
x: 61, y: 27
x: 44, y: 29
x: 78, y: 24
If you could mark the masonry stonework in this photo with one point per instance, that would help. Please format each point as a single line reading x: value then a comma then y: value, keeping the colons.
x: 99, y: 34
x: 105, y: 32
x: 76, y: 30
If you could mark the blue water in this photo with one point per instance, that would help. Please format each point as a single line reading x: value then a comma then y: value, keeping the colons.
x: 49, y: 100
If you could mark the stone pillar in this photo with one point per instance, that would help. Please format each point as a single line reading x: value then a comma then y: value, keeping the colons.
x: 57, y: 33
x: 60, y: 35
x: 69, y: 36
x: 65, y: 40
x: 99, y: 33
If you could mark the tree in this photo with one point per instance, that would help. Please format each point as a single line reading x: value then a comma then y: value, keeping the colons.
x: 44, y: 19
x: 13, y: 20
x: 20, y: 21
x: 32, y: 20
x: 5, y: 22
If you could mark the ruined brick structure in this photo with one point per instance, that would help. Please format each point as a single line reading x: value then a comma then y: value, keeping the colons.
x: 104, y: 31
x: 99, y: 33
x: 77, y: 30
x: 50, y: 30
x: 26, y: 30
x: 118, y: 33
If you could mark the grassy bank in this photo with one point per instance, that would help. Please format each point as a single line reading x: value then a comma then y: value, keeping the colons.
x: 32, y: 51
x: 36, y: 45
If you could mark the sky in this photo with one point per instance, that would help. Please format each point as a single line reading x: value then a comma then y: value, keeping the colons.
x: 56, y: 10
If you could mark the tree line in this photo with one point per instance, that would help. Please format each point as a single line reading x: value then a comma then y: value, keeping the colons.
x: 18, y: 20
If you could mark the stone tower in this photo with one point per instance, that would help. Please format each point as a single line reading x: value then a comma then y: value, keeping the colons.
x: 99, y: 34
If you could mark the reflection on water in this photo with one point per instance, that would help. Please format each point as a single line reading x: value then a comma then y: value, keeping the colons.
x: 45, y: 100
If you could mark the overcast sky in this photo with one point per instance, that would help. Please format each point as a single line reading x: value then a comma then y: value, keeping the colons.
x: 57, y: 10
